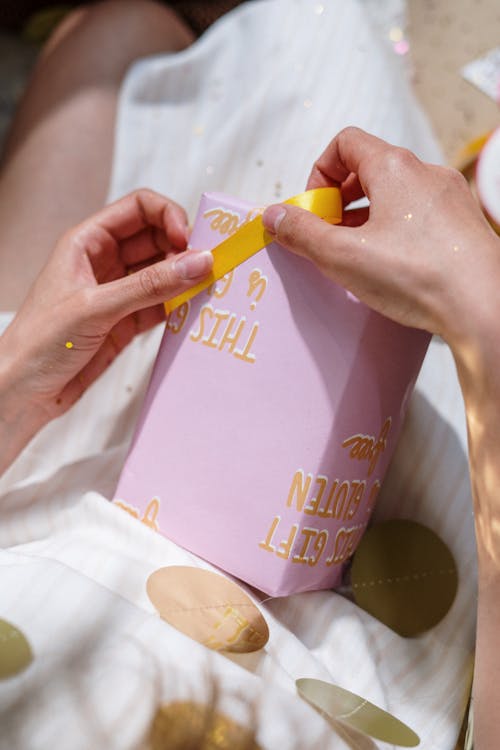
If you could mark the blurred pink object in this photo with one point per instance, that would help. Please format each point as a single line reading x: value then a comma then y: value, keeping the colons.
x: 402, y: 47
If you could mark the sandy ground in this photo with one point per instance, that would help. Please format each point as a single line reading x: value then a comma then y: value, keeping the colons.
x: 445, y: 35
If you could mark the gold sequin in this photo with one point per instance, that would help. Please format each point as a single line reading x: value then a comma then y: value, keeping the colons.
x: 395, y: 34
x: 69, y: 345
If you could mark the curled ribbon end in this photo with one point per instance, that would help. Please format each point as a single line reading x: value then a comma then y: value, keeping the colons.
x: 324, y: 202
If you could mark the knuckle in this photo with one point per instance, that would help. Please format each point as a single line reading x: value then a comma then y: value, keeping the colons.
x: 306, y: 235
x: 143, y: 193
x: 399, y: 160
x: 172, y: 210
x: 75, y: 238
x: 151, y: 282
x: 349, y: 133
x: 290, y: 229
x: 142, y: 198
x: 449, y: 183
x: 87, y: 303
x: 455, y: 178
x: 86, y: 300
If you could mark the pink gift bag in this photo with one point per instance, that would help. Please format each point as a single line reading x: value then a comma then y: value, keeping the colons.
x: 272, y: 413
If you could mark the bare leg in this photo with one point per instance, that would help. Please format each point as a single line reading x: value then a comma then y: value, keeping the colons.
x: 58, y: 156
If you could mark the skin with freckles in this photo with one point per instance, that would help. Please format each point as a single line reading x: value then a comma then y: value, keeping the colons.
x: 423, y: 254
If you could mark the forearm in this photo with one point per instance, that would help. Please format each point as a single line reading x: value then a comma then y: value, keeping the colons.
x: 479, y: 372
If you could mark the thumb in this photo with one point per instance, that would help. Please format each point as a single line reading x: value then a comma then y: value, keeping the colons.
x: 309, y: 236
x: 155, y: 284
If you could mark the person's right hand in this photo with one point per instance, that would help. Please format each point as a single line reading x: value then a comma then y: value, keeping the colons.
x: 421, y: 254
x: 424, y: 255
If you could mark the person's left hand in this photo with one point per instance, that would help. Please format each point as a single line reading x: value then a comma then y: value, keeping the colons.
x: 104, y: 283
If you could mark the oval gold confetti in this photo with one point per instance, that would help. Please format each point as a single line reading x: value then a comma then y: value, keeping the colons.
x: 338, y: 704
x: 182, y: 724
x: 209, y: 608
x: 15, y: 651
x: 404, y: 575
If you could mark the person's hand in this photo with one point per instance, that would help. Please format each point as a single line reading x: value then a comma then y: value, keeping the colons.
x: 104, y: 283
x: 421, y: 254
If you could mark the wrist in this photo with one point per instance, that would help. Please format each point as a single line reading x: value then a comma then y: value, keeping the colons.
x: 471, y: 303
x: 477, y: 358
x: 20, y: 418
x: 473, y: 328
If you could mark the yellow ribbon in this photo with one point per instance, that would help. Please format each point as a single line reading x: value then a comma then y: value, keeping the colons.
x: 252, y: 237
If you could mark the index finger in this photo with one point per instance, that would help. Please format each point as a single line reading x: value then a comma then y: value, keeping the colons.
x: 349, y: 152
x: 140, y: 210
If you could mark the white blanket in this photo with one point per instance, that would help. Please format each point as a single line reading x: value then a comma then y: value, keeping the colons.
x: 245, y: 111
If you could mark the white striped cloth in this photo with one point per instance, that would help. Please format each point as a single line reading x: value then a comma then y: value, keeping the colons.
x: 245, y: 111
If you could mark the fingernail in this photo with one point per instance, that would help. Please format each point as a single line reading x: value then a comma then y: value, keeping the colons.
x: 194, y: 264
x: 272, y: 218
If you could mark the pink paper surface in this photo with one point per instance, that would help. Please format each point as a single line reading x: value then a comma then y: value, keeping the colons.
x: 271, y: 416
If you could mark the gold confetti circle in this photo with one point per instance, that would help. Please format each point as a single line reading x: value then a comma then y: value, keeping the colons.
x: 183, y: 724
x: 69, y: 345
x: 341, y: 705
x: 209, y: 608
x: 404, y: 575
x: 15, y: 651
